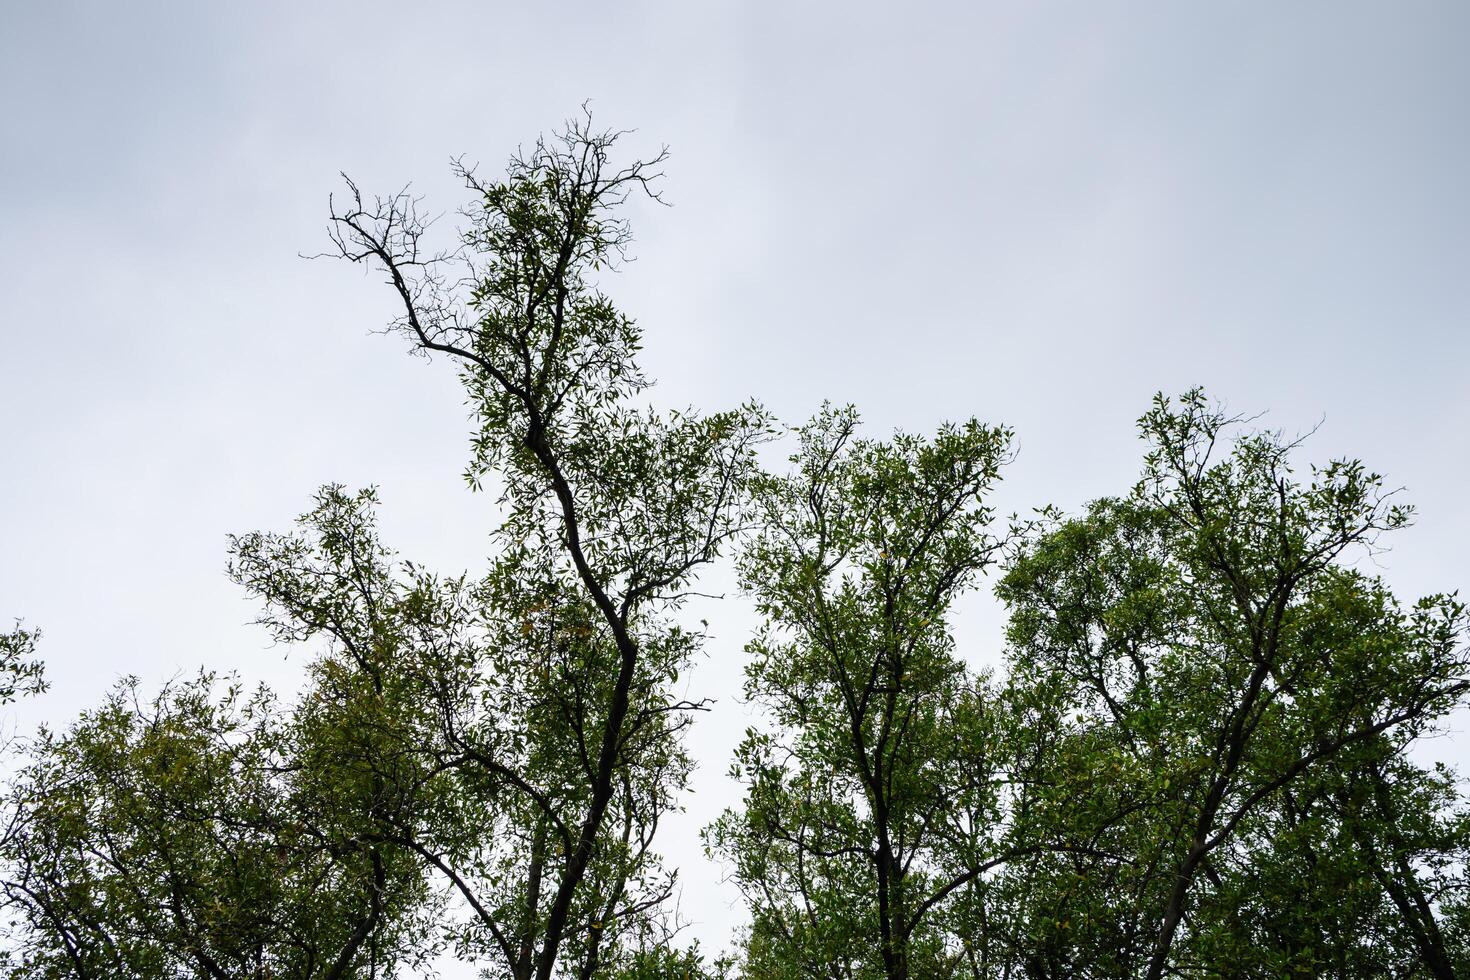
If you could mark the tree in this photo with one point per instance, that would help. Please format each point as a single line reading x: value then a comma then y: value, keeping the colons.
x: 1205, y: 648
x: 558, y: 719
x: 872, y: 806
x: 173, y: 839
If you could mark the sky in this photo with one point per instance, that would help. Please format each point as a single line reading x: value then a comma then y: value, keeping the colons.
x: 1035, y: 214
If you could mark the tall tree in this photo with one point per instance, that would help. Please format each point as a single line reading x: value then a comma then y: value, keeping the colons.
x: 611, y: 510
x: 872, y: 808
x: 1207, y: 647
x: 468, y: 705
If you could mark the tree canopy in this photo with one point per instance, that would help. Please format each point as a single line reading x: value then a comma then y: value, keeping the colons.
x: 1198, y: 758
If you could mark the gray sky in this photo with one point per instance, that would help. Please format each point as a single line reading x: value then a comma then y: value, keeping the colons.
x: 1036, y: 214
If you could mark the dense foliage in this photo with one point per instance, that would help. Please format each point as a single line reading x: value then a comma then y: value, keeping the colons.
x: 1199, y: 758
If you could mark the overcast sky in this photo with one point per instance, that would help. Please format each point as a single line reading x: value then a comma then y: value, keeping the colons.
x: 1037, y: 214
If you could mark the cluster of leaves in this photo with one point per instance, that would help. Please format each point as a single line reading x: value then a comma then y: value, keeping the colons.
x: 21, y: 673
x: 185, y: 836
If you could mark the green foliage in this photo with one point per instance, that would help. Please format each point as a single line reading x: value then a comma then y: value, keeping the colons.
x: 466, y: 706
x: 1202, y: 649
x: 515, y: 736
x: 21, y: 674
x: 169, y: 838
x: 1200, y: 761
x: 872, y: 806
x: 1354, y: 871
